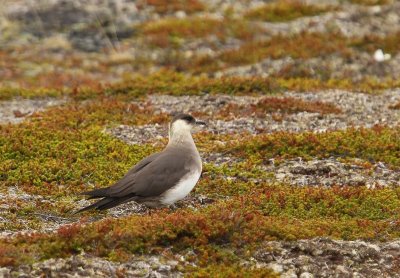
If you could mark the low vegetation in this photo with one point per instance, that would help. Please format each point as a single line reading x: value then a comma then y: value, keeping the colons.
x: 171, y: 6
x: 286, y: 10
x: 376, y: 144
x: 301, y: 46
x: 283, y: 105
x: 172, y: 83
x: 389, y: 44
x: 243, y: 222
x: 371, y: 2
x: 63, y: 150
x: 171, y: 32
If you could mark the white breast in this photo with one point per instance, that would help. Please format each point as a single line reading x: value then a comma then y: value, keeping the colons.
x: 182, y: 189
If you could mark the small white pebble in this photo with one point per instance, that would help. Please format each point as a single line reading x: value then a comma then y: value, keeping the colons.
x: 380, y: 56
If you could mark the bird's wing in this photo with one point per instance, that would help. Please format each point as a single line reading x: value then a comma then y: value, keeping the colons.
x: 156, y: 177
x: 124, y: 182
x: 143, y: 163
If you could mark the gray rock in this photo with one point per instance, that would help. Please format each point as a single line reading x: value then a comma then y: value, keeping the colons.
x: 330, y: 172
x: 16, y: 110
x: 330, y: 258
x: 89, y: 266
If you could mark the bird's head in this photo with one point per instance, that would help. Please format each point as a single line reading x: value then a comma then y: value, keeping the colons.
x: 183, y: 123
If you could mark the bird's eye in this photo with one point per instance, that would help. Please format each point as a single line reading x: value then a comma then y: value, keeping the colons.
x: 189, y: 119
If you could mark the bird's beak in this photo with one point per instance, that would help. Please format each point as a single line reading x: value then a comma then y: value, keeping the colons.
x: 201, y: 123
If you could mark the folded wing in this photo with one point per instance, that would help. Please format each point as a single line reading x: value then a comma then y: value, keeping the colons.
x: 151, y: 177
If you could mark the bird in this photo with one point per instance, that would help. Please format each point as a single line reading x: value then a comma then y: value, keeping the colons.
x: 160, y: 179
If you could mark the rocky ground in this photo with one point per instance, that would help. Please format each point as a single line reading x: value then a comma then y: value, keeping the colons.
x: 331, y: 172
x: 331, y: 258
x: 88, y: 266
x: 304, y: 258
x: 105, y: 41
x: 16, y: 110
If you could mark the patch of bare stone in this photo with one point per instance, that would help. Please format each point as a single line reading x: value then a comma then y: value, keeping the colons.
x: 88, y: 266
x: 16, y: 110
x: 322, y: 257
x: 331, y: 171
x: 37, y: 221
x: 192, y: 201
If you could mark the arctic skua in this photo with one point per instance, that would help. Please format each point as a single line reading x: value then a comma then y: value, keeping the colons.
x: 160, y: 179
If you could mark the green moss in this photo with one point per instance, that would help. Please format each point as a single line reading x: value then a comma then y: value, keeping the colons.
x: 173, y: 83
x: 285, y: 11
x: 282, y: 105
x: 389, y: 43
x: 336, y: 203
x: 376, y: 144
x: 164, y: 33
x: 65, y: 148
x: 171, y: 6
x: 230, y: 270
x: 370, y: 2
x: 171, y: 32
x: 167, y: 82
x: 7, y: 93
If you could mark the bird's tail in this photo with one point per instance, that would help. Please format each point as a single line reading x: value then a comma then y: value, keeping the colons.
x: 97, y: 205
x: 106, y: 203
x: 97, y: 193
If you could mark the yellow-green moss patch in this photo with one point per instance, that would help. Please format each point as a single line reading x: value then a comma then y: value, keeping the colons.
x: 282, y: 105
x: 376, y: 144
x: 286, y: 10
x: 389, y: 43
x: 172, y: 6
x: 170, y: 31
x: 371, y: 2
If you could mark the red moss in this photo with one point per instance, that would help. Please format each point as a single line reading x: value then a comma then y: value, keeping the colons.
x: 285, y: 10
x: 68, y: 231
x: 170, y: 31
x: 9, y: 254
x: 389, y: 43
x: 304, y: 45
